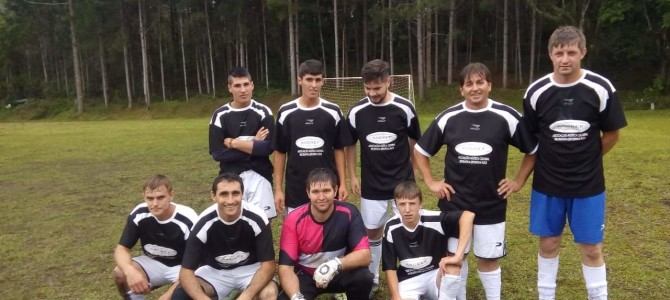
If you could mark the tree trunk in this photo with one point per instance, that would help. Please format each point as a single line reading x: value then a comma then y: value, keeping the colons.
x: 391, y: 62
x: 436, y: 55
x: 265, y: 45
x: 291, y: 52
x: 211, y: 49
x: 409, y: 46
x: 183, y: 54
x: 43, y: 55
x: 337, y: 53
x: 126, y: 64
x: 519, y: 70
x: 103, y: 70
x: 428, y: 47
x: 160, y: 57
x: 533, y: 28
x: 450, y: 48
x: 420, y: 52
x: 79, y: 102
x: 471, y: 23
x: 197, y: 72
x: 365, y: 33
x: 67, y: 82
x: 505, y: 43
x: 145, y: 59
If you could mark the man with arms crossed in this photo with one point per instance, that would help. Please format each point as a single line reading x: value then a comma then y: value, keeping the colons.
x: 240, y: 140
x: 323, y: 246
x: 162, y: 227
x: 478, y: 132
x: 387, y: 127
x: 230, y: 248
x: 577, y: 116
x: 415, y: 244
x: 309, y: 134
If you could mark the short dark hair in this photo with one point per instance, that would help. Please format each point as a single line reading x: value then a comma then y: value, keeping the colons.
x: 157, y: 181
x: 227, y: 177
x: 311, y: 67
x: 567, y: 35
x: 375, y: 69
x: 407, y: 190
x: 475, y: 68
x: 238, y: 72
x: 321, y: 175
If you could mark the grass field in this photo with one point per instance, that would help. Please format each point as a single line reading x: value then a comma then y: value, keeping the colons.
x: 66, y: 188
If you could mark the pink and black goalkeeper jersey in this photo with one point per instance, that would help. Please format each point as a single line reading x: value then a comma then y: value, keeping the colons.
x: 306, y: 243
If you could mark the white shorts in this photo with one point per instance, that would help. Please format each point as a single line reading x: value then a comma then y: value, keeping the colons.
x: 157, y: 273
x: 258, y: 191
x: 423, y: 286
x: 488, y: 240
x: 225, y: 281
x: 375, y: 213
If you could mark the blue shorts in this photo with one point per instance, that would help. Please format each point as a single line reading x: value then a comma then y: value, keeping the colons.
x: 586, y: 216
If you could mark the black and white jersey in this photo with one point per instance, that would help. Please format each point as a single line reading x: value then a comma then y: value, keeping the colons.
x: 243, y: 123
x: 383, y: 131
x: 309, y: 137
x: 228, y: 245
x: 412, y: 252
x: 163, y: 241
x: 568, y: 120
x: 476, y: 159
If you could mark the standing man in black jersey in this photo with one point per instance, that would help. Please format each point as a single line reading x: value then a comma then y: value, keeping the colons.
x: 576, y: 115
x: 387, y: 127
x: 162, y: 228
x: 309, y: 134
x: 240, y: 139
x: 477, y: 132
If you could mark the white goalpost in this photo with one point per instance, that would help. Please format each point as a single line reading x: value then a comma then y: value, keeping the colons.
x: 346, y: 91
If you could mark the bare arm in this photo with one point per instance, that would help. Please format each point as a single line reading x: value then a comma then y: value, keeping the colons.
x: 259, y: 281
x: 392, y: 281
x: 289, y: 280
x: 608, y: 140
x: 168, y: 294
x: 465, y: 224
x: 412, y: 158
x: 440, y: 188
x: 135, y: 279
x: 356, y: 259
x: 191, y: 285
x: 506, y: 187
x: 247, y: 146
x: 279, y: 167
x: 350, y: 152
x: 341, y: 173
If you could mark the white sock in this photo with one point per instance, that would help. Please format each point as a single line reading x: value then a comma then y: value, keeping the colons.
x: 464, y: 280
x: 491, y: 282
x: 596, y: 282
x: 133, y: 296
x: 547, y: 270
x: 376, y: 251
x: 450, y: 286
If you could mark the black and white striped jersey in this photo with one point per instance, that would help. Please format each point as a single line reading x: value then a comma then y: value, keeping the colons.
x: 383, y: 131
x: 243, y: 123
x: 163, y: 241
x: 568, y: 120
x: 412, y: 252
x: 309, y: 137
x: 228, y: 245
x: 476, y: 159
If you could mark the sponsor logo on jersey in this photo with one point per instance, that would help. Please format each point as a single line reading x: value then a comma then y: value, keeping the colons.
x: 381, y: 137
x: 381, y: 119
x: 232, y: 259
x: 473, y: 148
x: 161, y: 251
x: 309, y: 142
x: 417, y: 262
x: 570, y: 126
x: 245, y: 137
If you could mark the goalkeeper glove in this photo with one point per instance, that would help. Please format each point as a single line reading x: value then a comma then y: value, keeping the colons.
x: 325, y: 272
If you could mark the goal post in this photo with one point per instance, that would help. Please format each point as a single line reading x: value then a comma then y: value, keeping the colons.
x: 346, y: 91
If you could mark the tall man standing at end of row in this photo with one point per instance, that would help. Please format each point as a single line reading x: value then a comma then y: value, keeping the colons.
x: 309, y: 134
x: 387, y: 127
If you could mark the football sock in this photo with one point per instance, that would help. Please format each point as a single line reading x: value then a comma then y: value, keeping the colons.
x: 491, y: 282
x: 547, y: 269
x: 596, y: 282
x: 376, y: 251
x: 464, y: 280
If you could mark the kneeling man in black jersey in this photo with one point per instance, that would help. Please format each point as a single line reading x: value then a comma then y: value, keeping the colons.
x: 162, y: 228
x: 415, y: 244
x: 230, y: 248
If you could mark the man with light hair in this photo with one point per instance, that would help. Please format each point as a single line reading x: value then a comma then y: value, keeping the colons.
x: 576, y: 115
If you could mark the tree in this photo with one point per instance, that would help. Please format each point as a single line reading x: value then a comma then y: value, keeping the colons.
x: 79, y: 89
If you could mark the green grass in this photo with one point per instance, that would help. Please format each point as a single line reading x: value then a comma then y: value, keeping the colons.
x: 68, y: 186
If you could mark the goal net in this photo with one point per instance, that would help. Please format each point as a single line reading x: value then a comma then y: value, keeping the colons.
x: 346, y: 91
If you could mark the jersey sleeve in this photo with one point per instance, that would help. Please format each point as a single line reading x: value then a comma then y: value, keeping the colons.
x: 529, y: 118
x: 264, y: 247
x: 389, y: 257
x: 449, y: 221
x: 414, y: 130
x: 358, y: 237
x: 612, y: 118
x: 288, y: 243
x: 343, y: 135
x: 130, y: 233
x: 353, y: 134
x: 194, y: 248
x: 522, y: 138
x: 281, y: 139
x: 431, y: 141
x: 264, y: 147
x: 216, y: 148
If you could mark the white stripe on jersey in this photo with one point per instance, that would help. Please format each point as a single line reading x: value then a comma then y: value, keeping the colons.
x: 140, y: 217
x: 354, y: 111
x: 217, y: 119
x: 609, y: 83
x: 600, y: 90
x: 538, y: 92
x: 332, y: 112
x: 423, y: 152
x: 511, y: 120
x: 314, y: 260
x: 525, y: 95
x: 202, y: 234
x: 442, y: 122
x: 389, y: 237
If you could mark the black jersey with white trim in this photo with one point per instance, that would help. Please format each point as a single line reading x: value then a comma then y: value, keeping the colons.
x: 163, y: 241
x: 476, y: 159
x: 383, y: 131
x: 309, y: 137
x: 228, y: 245
x: 568, y: 120
x: 412, y: 252
x: 243, y: 123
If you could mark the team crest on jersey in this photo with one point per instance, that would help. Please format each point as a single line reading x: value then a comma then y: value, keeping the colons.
x: 232, y: 259
x: 473, y: 148
x: 159, y: 251
x: 309, y: 142
x: 417, y: 262
x: 381, y: 137
x: 570, y: 126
